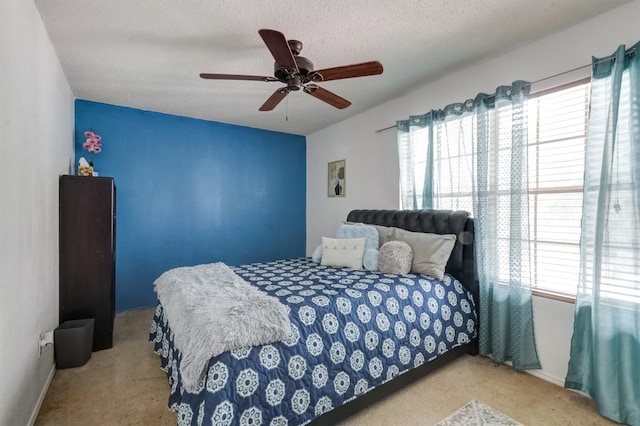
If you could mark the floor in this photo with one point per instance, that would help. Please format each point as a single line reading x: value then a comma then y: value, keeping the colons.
x: 119, y: 386
x: 125, y: 386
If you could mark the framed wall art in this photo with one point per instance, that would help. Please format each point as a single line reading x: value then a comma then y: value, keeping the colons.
x: 336, y: 182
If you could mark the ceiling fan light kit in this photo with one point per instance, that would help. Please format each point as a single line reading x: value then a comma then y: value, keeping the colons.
x: 297, y: 72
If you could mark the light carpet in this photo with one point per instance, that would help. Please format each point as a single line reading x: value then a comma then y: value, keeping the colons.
x: 476, y: 413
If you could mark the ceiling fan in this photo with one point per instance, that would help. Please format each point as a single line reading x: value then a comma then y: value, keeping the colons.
x: 297, y: 72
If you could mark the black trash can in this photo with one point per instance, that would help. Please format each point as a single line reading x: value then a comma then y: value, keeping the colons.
x: 73, y: 341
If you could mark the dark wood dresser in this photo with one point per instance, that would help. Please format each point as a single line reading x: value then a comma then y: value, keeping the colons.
x: 87, y: 254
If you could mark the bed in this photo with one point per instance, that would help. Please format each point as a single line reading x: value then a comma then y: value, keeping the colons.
x: 355, y: 335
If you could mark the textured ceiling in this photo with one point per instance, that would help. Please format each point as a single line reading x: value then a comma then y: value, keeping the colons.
x: 148, y: 54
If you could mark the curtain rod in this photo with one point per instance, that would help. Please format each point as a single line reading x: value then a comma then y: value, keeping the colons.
x: 533, y: 82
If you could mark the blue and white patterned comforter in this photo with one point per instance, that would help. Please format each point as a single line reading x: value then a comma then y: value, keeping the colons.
x: 351, y: 331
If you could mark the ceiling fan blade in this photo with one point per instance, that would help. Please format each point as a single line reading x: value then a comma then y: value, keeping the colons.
x: 279, y: 48
x: 274, y: 99
x: 348, y: 71
x: 326, y: 96
x: 236, y: 77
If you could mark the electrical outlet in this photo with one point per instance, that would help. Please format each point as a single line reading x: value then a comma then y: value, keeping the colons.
x: 44, y: 340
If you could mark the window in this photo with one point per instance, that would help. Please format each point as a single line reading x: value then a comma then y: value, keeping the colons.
x: 557, y: 125
x: 557, y: 138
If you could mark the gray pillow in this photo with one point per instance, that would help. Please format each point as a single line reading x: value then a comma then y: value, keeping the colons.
x: 395, y: 258
x: 384, y: 232
x: 430, y: 251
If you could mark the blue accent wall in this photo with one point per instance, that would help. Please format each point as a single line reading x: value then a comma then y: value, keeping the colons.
x: 192, y: 191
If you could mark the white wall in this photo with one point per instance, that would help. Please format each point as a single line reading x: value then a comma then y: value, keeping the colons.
x: 36, y: 145
x: 372, y: 161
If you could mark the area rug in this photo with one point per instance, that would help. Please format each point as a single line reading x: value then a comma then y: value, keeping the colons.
x: 476, y: 413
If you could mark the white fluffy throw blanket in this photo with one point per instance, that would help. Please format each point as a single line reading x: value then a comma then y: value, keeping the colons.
x: 211, y: 310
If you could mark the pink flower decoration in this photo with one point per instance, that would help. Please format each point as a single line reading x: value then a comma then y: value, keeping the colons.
x: 92, y: 144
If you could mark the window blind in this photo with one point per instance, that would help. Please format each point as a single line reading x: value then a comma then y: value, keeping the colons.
x: 557, y: 137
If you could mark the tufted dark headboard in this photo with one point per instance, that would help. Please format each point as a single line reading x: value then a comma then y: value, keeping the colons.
x: 461, y: 263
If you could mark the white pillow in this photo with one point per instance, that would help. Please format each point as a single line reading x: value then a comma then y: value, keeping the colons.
x: 342, y: 252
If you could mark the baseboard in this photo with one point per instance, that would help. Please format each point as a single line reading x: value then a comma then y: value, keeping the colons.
x: 43, y: 393
x: 539, y: 374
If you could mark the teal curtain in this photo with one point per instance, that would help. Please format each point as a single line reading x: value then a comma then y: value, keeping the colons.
x: 605, y: 347
x: 415, y: 151
x: 473, y: 156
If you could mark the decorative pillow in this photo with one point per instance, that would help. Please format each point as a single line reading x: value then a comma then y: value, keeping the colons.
x: 343, y: 252
x: 370, y: 259
x: 430, y: 251
x: 384, y: 232
x: 395, y: 258
x: 317, y: 254
x: 360, y: 230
